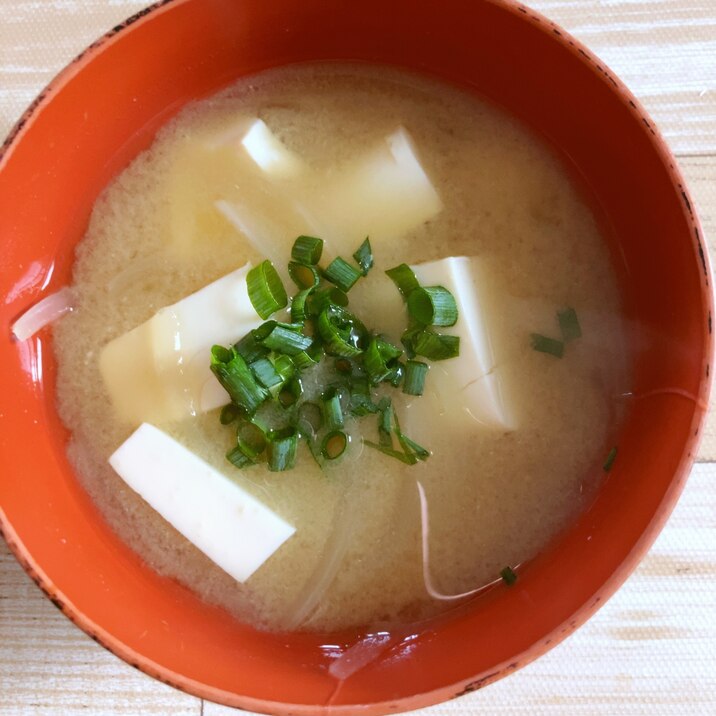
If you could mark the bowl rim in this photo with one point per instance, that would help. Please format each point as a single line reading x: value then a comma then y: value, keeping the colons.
x: 201, y: 690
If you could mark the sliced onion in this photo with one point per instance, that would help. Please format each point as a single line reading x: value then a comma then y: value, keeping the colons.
x: 43, y: 313
x: 425, y: 529
x: 339, y: 539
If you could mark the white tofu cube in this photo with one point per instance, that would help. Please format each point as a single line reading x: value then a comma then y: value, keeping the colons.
x: 159, y: 371
x: 472, y: 379
x: 230, y: 526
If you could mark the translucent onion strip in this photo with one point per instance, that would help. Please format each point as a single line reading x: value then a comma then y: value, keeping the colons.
x: 425, y: 530
x: 43, y: 313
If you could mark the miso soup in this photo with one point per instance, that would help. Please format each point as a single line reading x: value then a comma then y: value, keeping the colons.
x: 396, y: 441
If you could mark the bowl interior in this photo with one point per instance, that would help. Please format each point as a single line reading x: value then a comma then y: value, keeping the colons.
x: 106, y: 108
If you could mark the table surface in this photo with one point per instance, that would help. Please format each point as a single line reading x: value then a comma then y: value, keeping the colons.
x: 652, y: 648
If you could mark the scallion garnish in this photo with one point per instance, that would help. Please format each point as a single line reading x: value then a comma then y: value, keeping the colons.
x: 250, y: 349
x: 265, y: 289
x: 332, y: 409
x: 569, y: 325
x: 342, y: 333
x: 410, y: 335
x: 412, y: 450
x: 303, y: 276
x: 609, y: 462
x: 282, y: 337
x: 229, y: 413
x: 290, y: 393
x: 379, y: 359
x: 395, y: 377
x: 342, y: 274
x: 251, y: 440
x: 432, y: 306
x: 364, y: 257
x: 404, y: 278
x: 334, y: 444
x: 420, y: 452
x: 282, y: 448
x: 267, y: 369
x: 415, y: 374
x: 436, y: 346
x: 391, y: 452
x: 299, y: 307
x: 238, y: 459
x: 307, y: 250
x: 264, y: 371
x: 361, y: 405
x: 285, y: 366
x: 324, y: 297
x: 237, y: 379
x: 303, y: 360
x: 509, y: 576
x: 544, y: 344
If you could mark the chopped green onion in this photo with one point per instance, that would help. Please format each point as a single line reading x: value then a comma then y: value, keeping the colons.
x: 509, y: 576
x: 334, y: 444
x: 315, y: 350
x: 237, y: 379
x: 569, y: 325
x: 285, y: 366
x: 378, y: 359
x: 282, y: 448
x: 326, y: 296
x: 415, y: 374
x: 290, y: 394
x: 299, y: 305
x: 392, y: 452
x: 396, y: 374
x: 420, y: 452
x: 251, y: 439
x: 342, y: 274
x: 364, y: 257
x: 310, y: 419
x: 433, y: 306
x: 307, y: 250
x: 282, y: 337
x: 361, y: 405
x: 221, y: 354
x: 303, y: 360
x: 411, y: 449
x: 404, y: 278
x: 543, y: 344
x: 303, y: 276
x: 265, y: 289
x: 265, y: 373
x: 385, y: 422
x: 343, y: 334
x: 332, y: 409
x: 250, y: 349
x: 410, y: 335
x: 238, y: 459
x: 436, y: 346
x: 611, y: 457
x: 229, y: 413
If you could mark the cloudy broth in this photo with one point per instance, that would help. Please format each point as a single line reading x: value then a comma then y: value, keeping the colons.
x: 494, y: 495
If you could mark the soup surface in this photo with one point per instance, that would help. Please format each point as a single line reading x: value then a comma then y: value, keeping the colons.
x: 496, y: 494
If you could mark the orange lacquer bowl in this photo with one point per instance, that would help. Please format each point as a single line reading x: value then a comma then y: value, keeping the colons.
x: 106, y: 107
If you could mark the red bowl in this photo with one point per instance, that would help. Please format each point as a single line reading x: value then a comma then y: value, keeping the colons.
x: 106, y: 107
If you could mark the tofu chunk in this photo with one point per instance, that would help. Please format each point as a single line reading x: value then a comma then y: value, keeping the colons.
x: 159, y: 371
x: 229, y: 525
